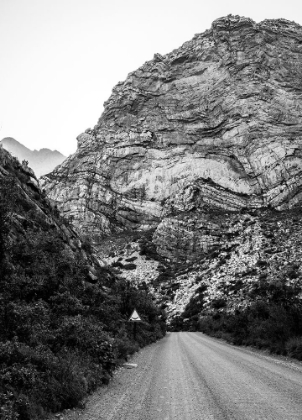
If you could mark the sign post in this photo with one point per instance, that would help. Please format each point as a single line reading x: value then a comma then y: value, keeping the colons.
x: 135, y: 318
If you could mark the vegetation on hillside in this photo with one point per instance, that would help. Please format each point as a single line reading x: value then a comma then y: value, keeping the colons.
x: 252, y: 295
x: 62, y: 332
x: 272, y: 321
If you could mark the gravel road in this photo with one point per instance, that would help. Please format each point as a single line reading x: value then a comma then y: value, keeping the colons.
x: 189, y: 376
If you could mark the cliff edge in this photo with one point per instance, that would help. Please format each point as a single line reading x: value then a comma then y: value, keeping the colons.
x: 216, y: 123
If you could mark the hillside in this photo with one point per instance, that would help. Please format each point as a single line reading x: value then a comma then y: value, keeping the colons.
x: 41, y: 161
x: 215, y: 122
x: 63, y: 317
x: 190, y: 182
x: 254, y: 269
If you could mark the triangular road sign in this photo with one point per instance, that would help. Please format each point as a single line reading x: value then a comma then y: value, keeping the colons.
x: 135, y: 316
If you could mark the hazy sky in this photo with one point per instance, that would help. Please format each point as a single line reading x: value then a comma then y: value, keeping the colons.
x: 60, y: 59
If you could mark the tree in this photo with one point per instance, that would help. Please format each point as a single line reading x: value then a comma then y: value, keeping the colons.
x: 7, y: 197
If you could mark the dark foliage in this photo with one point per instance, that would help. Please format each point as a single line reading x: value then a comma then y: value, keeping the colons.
x: 272, y: 321
x: 129, y: 266
x: 60, y: 335
x: 267, y: 295
x: 147, y: 247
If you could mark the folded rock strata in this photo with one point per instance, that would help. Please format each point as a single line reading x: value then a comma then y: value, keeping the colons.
x: 215, y: 123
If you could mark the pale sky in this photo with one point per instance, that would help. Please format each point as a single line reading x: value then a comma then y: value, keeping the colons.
x: 60, y: 59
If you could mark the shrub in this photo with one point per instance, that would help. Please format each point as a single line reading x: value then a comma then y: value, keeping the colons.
x: 219, y: 303
x: 124, y: 347
x: 87, y: 245
x: 294, y: 347
x: 8, y: 407
x: 131, y: 259
x: 60, y: 336
x: 129, y: 266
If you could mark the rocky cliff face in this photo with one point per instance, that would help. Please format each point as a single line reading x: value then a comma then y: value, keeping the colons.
x: 215, y: 123
x: 256, y: 257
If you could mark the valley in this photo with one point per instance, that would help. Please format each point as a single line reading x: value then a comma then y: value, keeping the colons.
x: 190, y: 183
x: 183, y: 202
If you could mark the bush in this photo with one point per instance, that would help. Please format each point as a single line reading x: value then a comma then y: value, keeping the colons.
x: 125, y: 347
x: 87, y: 245
x: 129, y: 266
x: 117, y: 264
x: 294, y: 347
x: 263, y: 325
x: 60, y: 336
x: 219, y: 303
x: 8, y: 409
x: 131, y: 259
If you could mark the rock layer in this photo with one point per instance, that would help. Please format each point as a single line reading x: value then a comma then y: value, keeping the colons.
x: 215, y: 123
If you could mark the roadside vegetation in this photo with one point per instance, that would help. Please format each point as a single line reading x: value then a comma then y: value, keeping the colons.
x: 273, y: 319
x: 62, y: 332
x: 273, y: 322
x: 250, y: 289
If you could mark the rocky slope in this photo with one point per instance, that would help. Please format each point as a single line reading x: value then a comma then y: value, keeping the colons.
x: 214, y: 123
x: 190, y: 183
x: 257, y: 256
x: 263, y: 251
x: 41, y: 161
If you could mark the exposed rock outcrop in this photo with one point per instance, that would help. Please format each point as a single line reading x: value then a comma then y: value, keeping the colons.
x: 263, y: 254
x: 187, y: 236
x: 257, y: 252
x: 215, y: 123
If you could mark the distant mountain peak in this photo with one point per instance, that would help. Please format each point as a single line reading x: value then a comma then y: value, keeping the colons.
x: 41, y: 161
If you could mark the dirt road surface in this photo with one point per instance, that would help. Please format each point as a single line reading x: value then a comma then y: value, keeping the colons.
x: 189, y: 376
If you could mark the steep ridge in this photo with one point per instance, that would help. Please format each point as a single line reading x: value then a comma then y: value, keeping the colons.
x: 63, y: 317
x: 30, y: 208
x: 216, y: 122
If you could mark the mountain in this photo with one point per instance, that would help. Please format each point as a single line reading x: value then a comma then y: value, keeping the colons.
x: 191, y: 182
x: 41, y: 161
x: 63, y: 316
x: 216, y: 122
